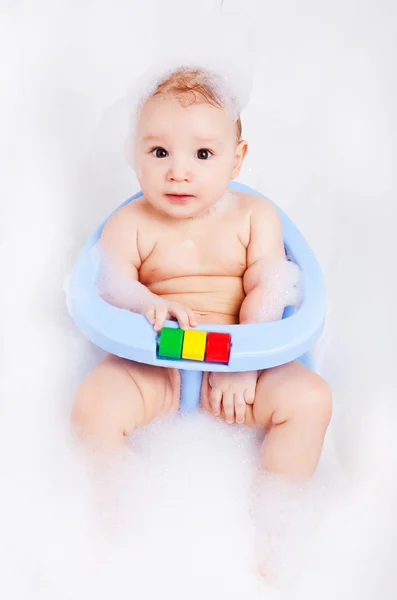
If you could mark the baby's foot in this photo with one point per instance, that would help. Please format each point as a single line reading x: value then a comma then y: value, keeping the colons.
x: 115, y: 496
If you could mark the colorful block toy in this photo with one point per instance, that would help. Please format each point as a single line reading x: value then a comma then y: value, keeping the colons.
x: 170, y: 343
x: 218, y: 347
x: 194, y: 344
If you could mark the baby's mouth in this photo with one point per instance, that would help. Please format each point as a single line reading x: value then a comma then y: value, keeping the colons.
x: 179, y: 198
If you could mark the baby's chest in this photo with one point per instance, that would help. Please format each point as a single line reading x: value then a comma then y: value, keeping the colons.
x: 207, y: 254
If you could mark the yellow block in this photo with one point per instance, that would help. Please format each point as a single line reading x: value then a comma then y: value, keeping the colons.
x: 194, y: 344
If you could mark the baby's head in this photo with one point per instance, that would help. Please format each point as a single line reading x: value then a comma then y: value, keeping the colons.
x: 187, y: 143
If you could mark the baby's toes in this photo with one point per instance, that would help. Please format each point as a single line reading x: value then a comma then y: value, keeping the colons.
x: 249, y: 396
x: 228, y: 406
x: 215, y: 401
x: 240, y: 408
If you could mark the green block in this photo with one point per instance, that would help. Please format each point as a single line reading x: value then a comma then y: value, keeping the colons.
x: 170, y: 343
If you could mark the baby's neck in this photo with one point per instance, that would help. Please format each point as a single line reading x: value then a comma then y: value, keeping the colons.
x: 225, y: 202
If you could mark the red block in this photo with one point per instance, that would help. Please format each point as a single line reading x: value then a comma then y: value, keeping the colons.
x: 218, y: 347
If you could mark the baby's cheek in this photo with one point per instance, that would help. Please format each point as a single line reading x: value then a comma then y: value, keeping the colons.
x: 144, y: 171
x: 148, y: 167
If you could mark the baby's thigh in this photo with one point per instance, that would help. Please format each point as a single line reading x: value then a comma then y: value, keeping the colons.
x: 160, y: 389
x: 120, y: 395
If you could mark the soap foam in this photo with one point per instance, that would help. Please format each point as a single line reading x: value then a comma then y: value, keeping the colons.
x: 192, y: 535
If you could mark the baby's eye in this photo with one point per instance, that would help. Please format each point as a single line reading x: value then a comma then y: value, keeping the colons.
x: 203, y: 153
x: 159, y: 152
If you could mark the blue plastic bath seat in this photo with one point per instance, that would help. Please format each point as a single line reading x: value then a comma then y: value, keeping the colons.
x: 254, y: 346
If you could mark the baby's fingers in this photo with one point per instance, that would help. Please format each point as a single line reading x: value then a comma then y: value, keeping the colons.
x: 192, y: 317
x: 181, y: 315
x: 239, y: 406
x: 150, y: 315
x: 161, y: 313
x: 215, y: 401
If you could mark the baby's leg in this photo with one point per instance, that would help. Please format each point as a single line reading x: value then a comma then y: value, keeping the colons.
x: 294, y: 405
x: 117, y: 397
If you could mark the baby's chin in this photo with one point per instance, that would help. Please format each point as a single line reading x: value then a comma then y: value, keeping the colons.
x: 191, y: 210
x: 195, y: 207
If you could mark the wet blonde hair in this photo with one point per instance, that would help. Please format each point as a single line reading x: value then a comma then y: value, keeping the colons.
x: 190, y: 85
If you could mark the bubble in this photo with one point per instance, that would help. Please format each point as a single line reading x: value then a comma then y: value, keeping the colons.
x: 192, y: 535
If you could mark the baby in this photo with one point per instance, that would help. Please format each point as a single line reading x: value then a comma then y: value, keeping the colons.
x: 190, y: 249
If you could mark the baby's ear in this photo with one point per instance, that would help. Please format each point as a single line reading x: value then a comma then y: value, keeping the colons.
x: 240, y: 152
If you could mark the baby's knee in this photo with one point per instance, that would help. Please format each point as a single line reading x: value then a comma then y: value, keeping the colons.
x: 95, y: 425
x: 305, y: 397
x: 101, y: 411
x: 120, y: 396
x: 314, y: 401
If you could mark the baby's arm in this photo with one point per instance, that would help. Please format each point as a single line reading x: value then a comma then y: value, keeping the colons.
x: 264, y: 279
x: 119, y: 265
x: 118, y: 281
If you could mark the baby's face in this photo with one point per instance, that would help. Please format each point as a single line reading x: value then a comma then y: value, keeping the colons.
x: 185, y: 156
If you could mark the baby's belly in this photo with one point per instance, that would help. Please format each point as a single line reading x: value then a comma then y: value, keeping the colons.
x: 214, y: 299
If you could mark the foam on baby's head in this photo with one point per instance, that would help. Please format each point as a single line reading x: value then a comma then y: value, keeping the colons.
x: 189, y: 84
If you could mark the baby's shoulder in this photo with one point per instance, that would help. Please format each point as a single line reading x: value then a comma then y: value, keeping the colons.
x: 130, y: 215
x: 253, y: 204
x: 123, y: 227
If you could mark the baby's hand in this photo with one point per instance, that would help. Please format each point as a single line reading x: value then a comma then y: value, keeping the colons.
x: 163, y: 309
x: 234, y: 391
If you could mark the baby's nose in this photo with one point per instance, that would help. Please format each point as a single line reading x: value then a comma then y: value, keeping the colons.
x: 178, y: 171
